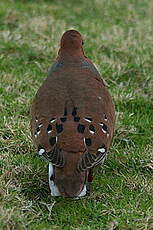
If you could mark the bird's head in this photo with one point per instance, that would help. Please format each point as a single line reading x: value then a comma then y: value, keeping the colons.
x: 69, y: 180
x: 71, y: 43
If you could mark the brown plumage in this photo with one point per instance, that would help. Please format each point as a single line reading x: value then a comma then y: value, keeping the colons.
x: 72, y: 118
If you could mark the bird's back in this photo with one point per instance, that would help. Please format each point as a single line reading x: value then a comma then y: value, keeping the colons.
x: 72, y: 117
x: 72, y: 93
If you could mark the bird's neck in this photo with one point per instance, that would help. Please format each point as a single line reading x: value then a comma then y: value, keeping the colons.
x: 68, y: 53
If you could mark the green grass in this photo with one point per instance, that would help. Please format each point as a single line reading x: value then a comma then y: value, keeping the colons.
x: 118, y: 38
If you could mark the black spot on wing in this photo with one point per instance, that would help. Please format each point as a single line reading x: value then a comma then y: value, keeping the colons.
x: 105, y: 117
x: 49, y: 128
x: 52, y: 119
x: 59, y: 128
x: 81, y: 128
x: 105, y: 127
x: 74, y: 112
x: 38, y: 129
x: 65, y: 111
x: 76, y: 119
x: 102, y: 146
x: 63, y: 119
x: 92, y: 128
x: 88, y: 141
x: 101, y: 151
x: 35, y: 134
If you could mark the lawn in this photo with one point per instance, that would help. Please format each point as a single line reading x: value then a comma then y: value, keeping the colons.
x: 118, y: 37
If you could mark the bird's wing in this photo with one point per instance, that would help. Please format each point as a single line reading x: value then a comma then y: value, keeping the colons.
x: 73, y: 112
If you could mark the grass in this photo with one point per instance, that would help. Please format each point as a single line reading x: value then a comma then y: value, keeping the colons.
x: 118, y: 38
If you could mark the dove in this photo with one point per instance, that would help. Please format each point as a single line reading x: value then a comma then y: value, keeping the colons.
x: 73, y: 119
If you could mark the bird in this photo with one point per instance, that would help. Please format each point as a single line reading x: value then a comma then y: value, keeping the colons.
x: 73, y: 119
